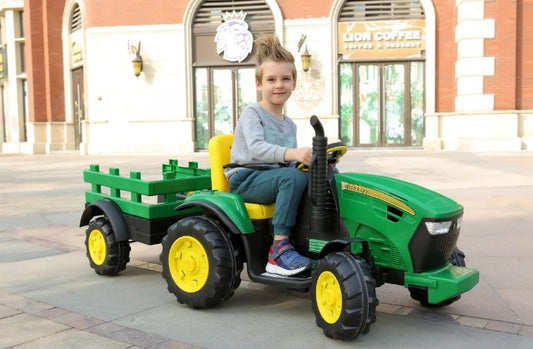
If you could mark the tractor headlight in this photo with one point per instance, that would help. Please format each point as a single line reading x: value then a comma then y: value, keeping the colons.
x: 438, y: 228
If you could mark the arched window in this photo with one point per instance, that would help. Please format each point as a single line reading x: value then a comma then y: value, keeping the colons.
x: 75, y: 19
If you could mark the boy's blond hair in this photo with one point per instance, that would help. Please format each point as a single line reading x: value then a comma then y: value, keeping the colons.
x: 268, y: 48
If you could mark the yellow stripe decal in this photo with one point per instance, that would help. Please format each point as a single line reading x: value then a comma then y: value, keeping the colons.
x: 378, y: 195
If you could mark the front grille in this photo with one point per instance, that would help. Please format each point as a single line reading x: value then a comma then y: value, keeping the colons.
x: 429, y: 252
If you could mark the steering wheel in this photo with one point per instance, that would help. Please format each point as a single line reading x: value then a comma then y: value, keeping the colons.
x: 335, y: 151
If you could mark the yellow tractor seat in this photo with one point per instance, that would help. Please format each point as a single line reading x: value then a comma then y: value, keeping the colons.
x: 219, y: 155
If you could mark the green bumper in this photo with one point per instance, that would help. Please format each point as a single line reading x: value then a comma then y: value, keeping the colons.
x: 444, y: 283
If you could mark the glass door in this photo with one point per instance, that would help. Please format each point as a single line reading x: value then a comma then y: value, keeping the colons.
x: 394, y: 104
x: 78, y: 105
x: 381, y: 104
x: 368, y: 104
x: 221, y: 94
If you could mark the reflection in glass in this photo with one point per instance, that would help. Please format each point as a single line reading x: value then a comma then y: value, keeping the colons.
x: 417, y: 103
x: 200, y: 96
x: 368, y: 104
x: 346, y: 104
x: 394, y: 104
x: 222, y: 101
x: 246, y: 93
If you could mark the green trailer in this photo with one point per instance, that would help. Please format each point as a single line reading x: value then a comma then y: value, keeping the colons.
x: 120, y: 210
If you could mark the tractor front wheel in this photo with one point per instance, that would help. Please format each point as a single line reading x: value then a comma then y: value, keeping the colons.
x: 343, y: 296
x: 106, y: 255
x: 199, y: 263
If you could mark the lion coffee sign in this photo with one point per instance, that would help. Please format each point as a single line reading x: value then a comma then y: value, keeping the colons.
x: 382, y: 40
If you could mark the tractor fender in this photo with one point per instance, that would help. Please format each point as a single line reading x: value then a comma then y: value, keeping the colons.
x: 113, y: 213
x: 334, y: 246
x: 228, y: 207
x: 340, y: 245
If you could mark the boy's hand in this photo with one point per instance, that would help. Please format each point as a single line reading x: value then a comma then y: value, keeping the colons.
x: 303, y: 155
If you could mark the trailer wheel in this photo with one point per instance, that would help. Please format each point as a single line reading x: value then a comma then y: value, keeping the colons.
x: 421, y: 294
x: 106, y: 255
x: 343, y: 296
x: 199, y: 263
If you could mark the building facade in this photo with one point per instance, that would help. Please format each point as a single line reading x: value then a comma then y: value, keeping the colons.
x: 163, y: 77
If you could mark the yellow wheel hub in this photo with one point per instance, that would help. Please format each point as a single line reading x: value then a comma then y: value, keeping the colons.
x: 188, y: 264
x: 96, y: 246
x: 329, y: 297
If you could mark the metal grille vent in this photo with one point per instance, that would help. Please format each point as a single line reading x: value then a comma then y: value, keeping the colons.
x: 209, y: 14
x: 396, y: 260
x: 365, y: 10
x: 75, y: 19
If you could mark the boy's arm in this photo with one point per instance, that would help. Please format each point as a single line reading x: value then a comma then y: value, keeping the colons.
x: 302, y: 155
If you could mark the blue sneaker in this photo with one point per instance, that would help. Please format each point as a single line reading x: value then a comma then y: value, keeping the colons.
x: 284, y: 260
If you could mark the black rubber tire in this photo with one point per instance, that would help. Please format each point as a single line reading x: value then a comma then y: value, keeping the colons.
x: 210, y: 271
x: 237, y: 257
x: 106, y: 255
x: 457, y: 258
x: 353, y: 295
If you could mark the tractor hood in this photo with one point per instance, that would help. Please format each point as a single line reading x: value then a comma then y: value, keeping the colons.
x: 410, y: 198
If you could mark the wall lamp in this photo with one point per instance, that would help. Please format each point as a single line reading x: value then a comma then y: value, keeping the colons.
x: 137, y: 61
x: 306, y: 56
x: 306, y: 59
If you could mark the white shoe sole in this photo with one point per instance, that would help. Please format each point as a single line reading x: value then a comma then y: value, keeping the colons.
x: 274, y: 269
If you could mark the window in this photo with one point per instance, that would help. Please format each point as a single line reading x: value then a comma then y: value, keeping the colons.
x: 75, y: 19
x: 360, y: 10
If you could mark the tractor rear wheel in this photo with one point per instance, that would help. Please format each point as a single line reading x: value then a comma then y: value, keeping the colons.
x: 107, y: 256
x: 343, y: 295
x: 421, y: 294
x: 199, y: 263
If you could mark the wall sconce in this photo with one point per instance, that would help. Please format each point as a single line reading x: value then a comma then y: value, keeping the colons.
x: 306, y: 59
x: 137, y: 61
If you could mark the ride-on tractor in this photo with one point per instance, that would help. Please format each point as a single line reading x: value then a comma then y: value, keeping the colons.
x: 361, y: 230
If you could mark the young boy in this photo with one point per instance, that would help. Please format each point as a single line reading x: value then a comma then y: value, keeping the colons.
x: 265, y: 137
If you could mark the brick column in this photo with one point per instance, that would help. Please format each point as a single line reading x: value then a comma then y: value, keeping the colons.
x: 44, y: 71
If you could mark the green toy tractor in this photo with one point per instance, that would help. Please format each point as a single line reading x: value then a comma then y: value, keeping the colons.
x: 362, y: 230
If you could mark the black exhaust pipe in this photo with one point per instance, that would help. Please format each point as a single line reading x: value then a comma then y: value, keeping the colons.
x: 324, y: 209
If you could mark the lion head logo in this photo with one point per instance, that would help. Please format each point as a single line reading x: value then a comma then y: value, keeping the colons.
x: 233, y: 37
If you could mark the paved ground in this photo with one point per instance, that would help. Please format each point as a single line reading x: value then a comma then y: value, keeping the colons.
x: 50, y: 298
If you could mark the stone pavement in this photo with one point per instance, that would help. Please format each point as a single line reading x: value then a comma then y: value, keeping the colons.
x: 50, y: 298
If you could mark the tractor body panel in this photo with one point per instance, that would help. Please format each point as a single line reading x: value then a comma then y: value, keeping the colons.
x: 393, y: 217
x: 221, y: 203
x: 387, y: 212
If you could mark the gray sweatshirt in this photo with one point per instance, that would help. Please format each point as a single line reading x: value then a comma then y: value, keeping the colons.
x: 262, y: 138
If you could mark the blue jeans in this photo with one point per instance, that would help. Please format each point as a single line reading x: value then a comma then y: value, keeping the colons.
x: 284, y: 186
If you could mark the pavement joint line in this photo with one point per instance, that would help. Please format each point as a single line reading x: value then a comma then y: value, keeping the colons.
x: 78, y: 321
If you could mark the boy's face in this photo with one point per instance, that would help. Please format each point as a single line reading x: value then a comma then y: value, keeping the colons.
x: 278, y: 82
